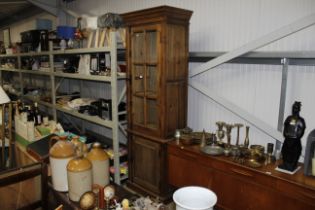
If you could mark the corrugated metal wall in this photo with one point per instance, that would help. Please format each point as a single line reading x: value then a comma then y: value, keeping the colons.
x: 223, y: 25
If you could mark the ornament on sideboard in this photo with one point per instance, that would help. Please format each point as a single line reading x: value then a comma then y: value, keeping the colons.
x: 220, y: 132
x: 246, y: 140
x: 309, y: 159
x: 238, y: 126
x: 294, y: 127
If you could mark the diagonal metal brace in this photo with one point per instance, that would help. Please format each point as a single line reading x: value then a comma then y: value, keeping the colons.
x: 267, y: 39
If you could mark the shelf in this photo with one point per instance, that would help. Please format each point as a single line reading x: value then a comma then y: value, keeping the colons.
x: 29, y: 54
x: 33, y: 54
x: 88, y: 77
x: 68, y: 75
x: 60, y: 52
x: 34, y: 99
x: 12, y: 70
x: 83, y: 76
x: 38, y: 72
x: 93, y: 119
x: 81, y: 51
x: 8, y: 55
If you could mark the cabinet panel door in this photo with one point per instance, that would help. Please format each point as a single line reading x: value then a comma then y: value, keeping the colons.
x: 146, y: 163
x: 238, y: 193
x: 184, y: 171
x: 145, y: 77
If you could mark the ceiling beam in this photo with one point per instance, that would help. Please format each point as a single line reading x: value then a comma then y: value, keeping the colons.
x: 13, y: 2
x: 49, y: 6
x: 30, y: 11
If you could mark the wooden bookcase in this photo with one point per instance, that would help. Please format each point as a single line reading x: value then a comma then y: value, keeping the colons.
x: 157, y: 59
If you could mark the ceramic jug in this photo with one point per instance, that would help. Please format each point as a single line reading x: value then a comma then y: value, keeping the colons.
x: 100, y: 165
x: 79, y: 173
x: 59, y: 156
x: 79, y: 145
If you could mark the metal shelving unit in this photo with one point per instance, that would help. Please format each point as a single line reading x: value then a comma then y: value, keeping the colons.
x: 113, y: 124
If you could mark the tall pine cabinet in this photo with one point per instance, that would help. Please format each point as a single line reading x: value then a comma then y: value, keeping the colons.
x: 157, y: 59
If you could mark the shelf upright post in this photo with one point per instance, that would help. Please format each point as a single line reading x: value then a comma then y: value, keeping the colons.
x: 113, y: 58
x: 20, y: 75
x: 285, y: 64
x: 52, y: 81
x: 1, y: 78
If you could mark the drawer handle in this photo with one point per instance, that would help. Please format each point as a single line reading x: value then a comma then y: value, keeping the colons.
x: 307, y: 195
x: 242, y: 172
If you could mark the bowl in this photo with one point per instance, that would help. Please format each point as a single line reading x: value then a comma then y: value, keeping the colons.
x: 212, y: 150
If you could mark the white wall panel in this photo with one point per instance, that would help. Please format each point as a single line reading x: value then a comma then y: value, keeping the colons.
x: 254, y: 88
x: 223, y: 25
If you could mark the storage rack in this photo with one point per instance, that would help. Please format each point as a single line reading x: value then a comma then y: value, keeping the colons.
x: 116, y: 97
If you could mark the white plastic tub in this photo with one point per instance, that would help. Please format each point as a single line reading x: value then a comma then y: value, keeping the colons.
x: 194, y: 198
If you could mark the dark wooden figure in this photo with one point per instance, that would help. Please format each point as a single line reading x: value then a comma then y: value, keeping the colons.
x: 294, y: 127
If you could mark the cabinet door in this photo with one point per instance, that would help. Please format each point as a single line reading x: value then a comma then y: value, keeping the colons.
x: 239, y: 193
x: 184, y: 170
x: 146, y: 163
x: 145, y: 77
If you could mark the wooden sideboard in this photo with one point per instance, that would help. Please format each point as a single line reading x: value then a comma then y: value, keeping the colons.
x: 237, y: 186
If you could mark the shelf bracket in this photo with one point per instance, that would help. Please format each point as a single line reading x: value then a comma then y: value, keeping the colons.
x: 122, y: 129
x: 122, y: 94
x: 58, y: 85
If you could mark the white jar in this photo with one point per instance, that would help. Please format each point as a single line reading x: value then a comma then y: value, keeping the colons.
x: 59, y: 156
x: 79, y: 172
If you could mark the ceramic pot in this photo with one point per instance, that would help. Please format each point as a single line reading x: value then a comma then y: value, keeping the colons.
x: 79, y: 172
x: 59, y: 156
x: 79, y: 145
x: 100, y: 165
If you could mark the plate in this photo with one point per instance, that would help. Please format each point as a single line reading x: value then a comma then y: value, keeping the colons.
x: 212, y: 150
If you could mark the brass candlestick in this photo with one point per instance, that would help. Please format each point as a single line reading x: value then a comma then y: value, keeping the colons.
x: 246, y: 140
x: 220, y: 132
x: 228, y: 133
x: 238, y: 126
x: 227, y: 149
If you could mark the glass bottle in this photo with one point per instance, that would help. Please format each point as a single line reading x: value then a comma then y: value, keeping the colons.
x: 37, y: 115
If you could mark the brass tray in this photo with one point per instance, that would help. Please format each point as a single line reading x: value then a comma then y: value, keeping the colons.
x: 212, y: 150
